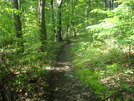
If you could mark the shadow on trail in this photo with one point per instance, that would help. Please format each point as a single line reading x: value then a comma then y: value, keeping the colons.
x: 64, y: 85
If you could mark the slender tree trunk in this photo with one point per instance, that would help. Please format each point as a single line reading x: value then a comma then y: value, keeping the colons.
x: 52, y: 17
x: 59, y: 38
x: 42, y: 27
x: 72, y: 19
x: 109, y: 4
x: 18, y: 27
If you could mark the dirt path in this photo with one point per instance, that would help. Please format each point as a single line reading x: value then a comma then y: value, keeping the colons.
x: 64, y: 85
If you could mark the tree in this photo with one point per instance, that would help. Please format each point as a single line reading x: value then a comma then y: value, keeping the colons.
x: 59, y: 3
x: 109, y: 4
x: 52, y: 17
x: 18, y: 26
x: 42, y: 27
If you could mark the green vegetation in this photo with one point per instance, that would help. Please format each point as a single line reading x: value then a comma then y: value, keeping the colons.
x: 104, y: 61
x: 31, y: 33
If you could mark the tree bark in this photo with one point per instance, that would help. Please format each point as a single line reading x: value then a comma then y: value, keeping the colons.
x: 109, y: 4
x: 42, y: 27
x: 18, y: 27
x: 52, y: 17
x: 59, y: 29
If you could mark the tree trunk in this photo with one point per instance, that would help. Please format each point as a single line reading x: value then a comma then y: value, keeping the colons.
x: 52, y: 17
x: 109, y: 4
x: 59, y: 38
x: 42, y: 27
x: 18, y: 27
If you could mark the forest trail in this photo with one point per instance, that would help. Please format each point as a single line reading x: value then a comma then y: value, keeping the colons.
x: 64, y: 85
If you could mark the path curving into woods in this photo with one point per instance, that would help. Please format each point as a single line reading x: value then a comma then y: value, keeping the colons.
x: 64, y: 84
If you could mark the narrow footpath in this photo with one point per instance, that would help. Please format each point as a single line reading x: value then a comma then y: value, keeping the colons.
x: 64, y: 84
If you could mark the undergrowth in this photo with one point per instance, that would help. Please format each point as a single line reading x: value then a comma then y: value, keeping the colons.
x: 25, y: 73
x: 107, y: 70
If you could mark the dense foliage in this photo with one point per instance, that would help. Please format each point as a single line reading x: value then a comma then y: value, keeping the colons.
x: 31, y: 33
x: 104, y: 61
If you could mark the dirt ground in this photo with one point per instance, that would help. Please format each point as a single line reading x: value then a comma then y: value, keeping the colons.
x: 64, y: 84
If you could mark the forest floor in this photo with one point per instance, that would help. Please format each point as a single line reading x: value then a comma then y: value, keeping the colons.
x: 61, y: 83
x: 56, y: 83
x: 64, y: 84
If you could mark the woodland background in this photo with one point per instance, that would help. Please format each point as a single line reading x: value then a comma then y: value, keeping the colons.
x: 32, y: 31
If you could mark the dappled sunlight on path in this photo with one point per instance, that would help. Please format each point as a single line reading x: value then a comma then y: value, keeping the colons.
x: 60, y: 66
